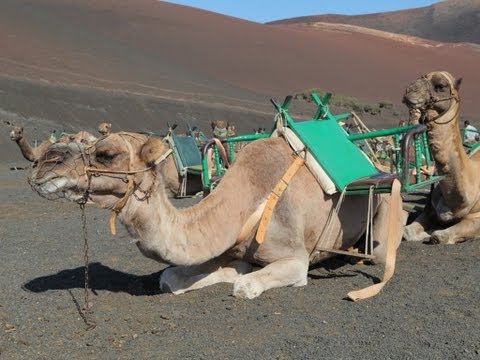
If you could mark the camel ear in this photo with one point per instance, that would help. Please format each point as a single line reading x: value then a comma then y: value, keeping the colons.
x: 458, y: 83
x: 152, y: 150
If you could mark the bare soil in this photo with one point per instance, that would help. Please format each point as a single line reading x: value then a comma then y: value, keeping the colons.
x: 429, y: 310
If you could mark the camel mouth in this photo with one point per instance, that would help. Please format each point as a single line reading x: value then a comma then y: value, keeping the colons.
x: 412, y: 104
x: 55, y: 187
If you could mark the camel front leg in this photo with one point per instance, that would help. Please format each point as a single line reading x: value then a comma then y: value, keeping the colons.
x: 426, y: 222
x: 464, y: 230
x: 181, y: 279
x: 417, y: 230
x: 283, y: 272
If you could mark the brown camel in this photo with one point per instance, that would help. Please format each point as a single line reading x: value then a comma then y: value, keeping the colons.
x: 30, y: 153
x: 214, y: 241
x: 35, y: 153
x: 453, y: 214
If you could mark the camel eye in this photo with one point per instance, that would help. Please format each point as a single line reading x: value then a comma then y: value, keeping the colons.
x: 104, y: 157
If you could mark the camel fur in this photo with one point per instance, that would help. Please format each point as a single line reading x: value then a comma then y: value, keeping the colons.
x: 453, y: 214
x: 202, y: 242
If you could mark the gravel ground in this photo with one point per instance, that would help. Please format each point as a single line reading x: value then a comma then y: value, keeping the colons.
x: 429, y: 310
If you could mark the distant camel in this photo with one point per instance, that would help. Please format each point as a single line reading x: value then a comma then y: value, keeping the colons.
x: 35, y: 153
x: 104, y: 128
x: 30, y: 153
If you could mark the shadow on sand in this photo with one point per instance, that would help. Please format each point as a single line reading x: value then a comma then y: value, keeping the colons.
x: 101, y: 278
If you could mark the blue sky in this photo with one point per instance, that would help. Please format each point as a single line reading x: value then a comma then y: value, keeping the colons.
x: 269, y: 10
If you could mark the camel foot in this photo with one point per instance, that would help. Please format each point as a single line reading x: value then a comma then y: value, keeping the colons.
x: 441, y: 237
x: 410, y: 233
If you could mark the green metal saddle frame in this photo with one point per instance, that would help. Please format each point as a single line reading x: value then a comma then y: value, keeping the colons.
x: 344, y: 162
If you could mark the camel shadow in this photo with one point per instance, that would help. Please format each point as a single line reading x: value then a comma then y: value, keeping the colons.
x: 101, y: 277
x: 331, y: 268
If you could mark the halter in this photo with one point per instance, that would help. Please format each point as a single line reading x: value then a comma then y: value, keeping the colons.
x: 132, y: 186
x: 451, y: 112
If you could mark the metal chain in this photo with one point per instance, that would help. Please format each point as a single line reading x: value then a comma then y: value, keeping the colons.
x: 88, y: 305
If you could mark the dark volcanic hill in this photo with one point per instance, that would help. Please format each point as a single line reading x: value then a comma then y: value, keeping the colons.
x: 447, y: 21
x: 70, y: 64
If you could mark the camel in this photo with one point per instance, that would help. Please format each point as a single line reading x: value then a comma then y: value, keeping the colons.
x: 33, y: 154
x: 104, y: 128
x: 219, y: 128
x: 215, y: 240
x: 30, y: 153
x: 452, y: 214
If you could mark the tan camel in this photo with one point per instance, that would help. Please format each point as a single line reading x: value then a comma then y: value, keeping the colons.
x: 35, y: 153
x: 214, y: 241
x: 30, y: 153
x: 454, y: 205
x: 105, y: 128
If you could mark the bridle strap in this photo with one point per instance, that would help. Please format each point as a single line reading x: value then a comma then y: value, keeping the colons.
x: 452, y: 112
x: 130, y: 189
x: 131, y: 185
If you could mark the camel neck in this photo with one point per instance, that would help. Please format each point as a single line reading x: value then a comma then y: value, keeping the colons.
x: 177, y: 236
x: 452, y: 162
x: 26, y: 149
x: 445, y: 140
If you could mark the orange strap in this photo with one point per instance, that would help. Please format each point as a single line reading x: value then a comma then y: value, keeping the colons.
x: 130, y: 189
x: 392, y: 237
x: 119, y: 206
x: 275, y: 196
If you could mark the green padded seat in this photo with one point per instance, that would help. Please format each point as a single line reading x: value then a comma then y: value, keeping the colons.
x: 188, y: 151
x: 342, y: 160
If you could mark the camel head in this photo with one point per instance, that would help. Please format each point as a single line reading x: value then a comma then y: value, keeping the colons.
x: 231, y: 130
x: 16, y: 133
x: 219, y: 128
x: 434, y: 93
x: 104, y: 128
x: 102, y: 172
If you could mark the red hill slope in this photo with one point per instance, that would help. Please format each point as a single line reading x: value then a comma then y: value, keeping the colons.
x: 157, y: 52
x: 447, y: 21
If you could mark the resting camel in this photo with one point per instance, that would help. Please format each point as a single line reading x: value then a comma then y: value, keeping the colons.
x: 215, y: 240
x: 30, y: 153
x: 454, y: 205
x: 105, y: 128
x: 35, y: 153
